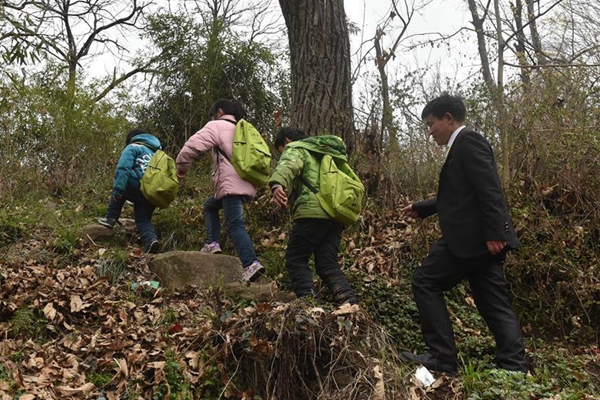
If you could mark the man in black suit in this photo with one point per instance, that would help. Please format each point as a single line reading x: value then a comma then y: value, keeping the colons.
x: 476, y: 235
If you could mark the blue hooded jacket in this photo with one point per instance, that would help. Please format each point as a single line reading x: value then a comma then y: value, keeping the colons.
x: 134, y: 161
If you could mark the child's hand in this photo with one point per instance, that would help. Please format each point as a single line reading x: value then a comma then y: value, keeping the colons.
x: 180, y: 175
x: 279, y: 197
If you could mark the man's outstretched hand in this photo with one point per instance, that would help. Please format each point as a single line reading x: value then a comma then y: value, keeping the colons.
x: 409, y: 212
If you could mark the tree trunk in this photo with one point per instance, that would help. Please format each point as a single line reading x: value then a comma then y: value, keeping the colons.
x: 535, y: 36
x: 387, y: 116
x: 499, y: 97
x: 320, y: 67
x: 481, y: 46
x: 495, y: 87
x: 517, y: 10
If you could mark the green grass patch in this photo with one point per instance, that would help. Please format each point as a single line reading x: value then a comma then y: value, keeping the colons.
x: 100, y: 379
x: 27, y: 323
x: 391, y: 306
x: 176, y: 382
x: 114, y: 265
x: 501, y: 384
x: 169, y: 317
x: 66, y: 241
x: 4, y: 376
x: 12, y: 227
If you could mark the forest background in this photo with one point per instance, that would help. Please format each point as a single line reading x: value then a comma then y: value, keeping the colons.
x: 531, y: 86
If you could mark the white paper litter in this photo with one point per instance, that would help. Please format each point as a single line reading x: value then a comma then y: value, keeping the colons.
x: 424, y: 376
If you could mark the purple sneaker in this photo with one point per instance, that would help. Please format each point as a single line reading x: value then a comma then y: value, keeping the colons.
x: 211, y: 248
x: 252, y: 272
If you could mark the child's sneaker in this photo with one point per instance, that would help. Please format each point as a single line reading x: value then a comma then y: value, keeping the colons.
x: 154, y: 247
x: 107, y: 222
x: 211, y: 248
x: 252, y: 272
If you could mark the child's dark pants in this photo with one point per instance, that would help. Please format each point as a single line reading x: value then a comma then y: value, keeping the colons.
x: 142, y: 213
x: 322, y: 238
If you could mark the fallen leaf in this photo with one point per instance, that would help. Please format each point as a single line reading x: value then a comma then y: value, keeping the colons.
x: 264, y: 308
x: 76, y: 303
x: 346, y: 308
x: 175, y: 328
x: 49, y: 312
x: 122, y: 363
x: 85, y: 389
x: 379, y: 390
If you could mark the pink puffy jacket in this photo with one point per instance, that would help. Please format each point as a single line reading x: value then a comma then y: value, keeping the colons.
x: 216, y: 133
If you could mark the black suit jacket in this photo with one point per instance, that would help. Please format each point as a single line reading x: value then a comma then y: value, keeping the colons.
x: 470, y: 201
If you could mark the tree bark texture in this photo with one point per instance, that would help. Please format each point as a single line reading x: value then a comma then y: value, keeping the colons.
x: 520, y: 49
x: 320, y: 67
x: 481, y: 46
x: 535, y: 36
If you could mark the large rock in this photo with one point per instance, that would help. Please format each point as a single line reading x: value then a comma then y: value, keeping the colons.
x: 96, y: 233
x: 99, y: 233
x: 177, y: 269
x: 257, y: 291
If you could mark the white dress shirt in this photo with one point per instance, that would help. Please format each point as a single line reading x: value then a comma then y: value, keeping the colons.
x: 454, y: 135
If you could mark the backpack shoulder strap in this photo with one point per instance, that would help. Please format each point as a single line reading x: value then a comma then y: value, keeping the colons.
x: 217, y: 148
x: 311, y: 187
x: 308, y: 185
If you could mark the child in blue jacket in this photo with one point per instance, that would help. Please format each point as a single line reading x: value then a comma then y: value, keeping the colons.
x: 139, y: 149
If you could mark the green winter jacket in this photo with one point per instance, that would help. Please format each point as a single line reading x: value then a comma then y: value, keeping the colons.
x: 302, y: 158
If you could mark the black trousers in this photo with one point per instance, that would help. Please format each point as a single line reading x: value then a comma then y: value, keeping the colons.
x: 322, y: 238
x: 441, y: 271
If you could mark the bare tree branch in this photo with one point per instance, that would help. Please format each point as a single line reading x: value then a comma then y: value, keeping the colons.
x: 66, y: 30
x: 116, y: 81
x: 567, y: 65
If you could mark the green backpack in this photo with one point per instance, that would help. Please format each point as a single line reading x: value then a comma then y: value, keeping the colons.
x: 160, y: 183
x: 340, y: 191
x: 251, y: 156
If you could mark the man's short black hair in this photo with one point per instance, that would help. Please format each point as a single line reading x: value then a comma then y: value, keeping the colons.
x: 288, y: 133
x: 446, y: 103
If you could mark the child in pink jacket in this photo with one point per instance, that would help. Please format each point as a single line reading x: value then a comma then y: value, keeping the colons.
x: 231, y: 190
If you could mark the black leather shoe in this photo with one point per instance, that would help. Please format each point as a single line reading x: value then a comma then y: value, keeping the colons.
x: 429, y: 362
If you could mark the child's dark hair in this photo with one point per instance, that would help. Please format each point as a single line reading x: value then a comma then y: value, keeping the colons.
x: 446, y: 103
x: 132, y: 133
x: 288, y: 133
x: 230, y: 107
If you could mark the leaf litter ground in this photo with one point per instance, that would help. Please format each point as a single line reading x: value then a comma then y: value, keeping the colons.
x: 63, y: 327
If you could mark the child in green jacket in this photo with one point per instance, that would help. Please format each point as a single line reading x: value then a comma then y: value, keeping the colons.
x: 314, y: 232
